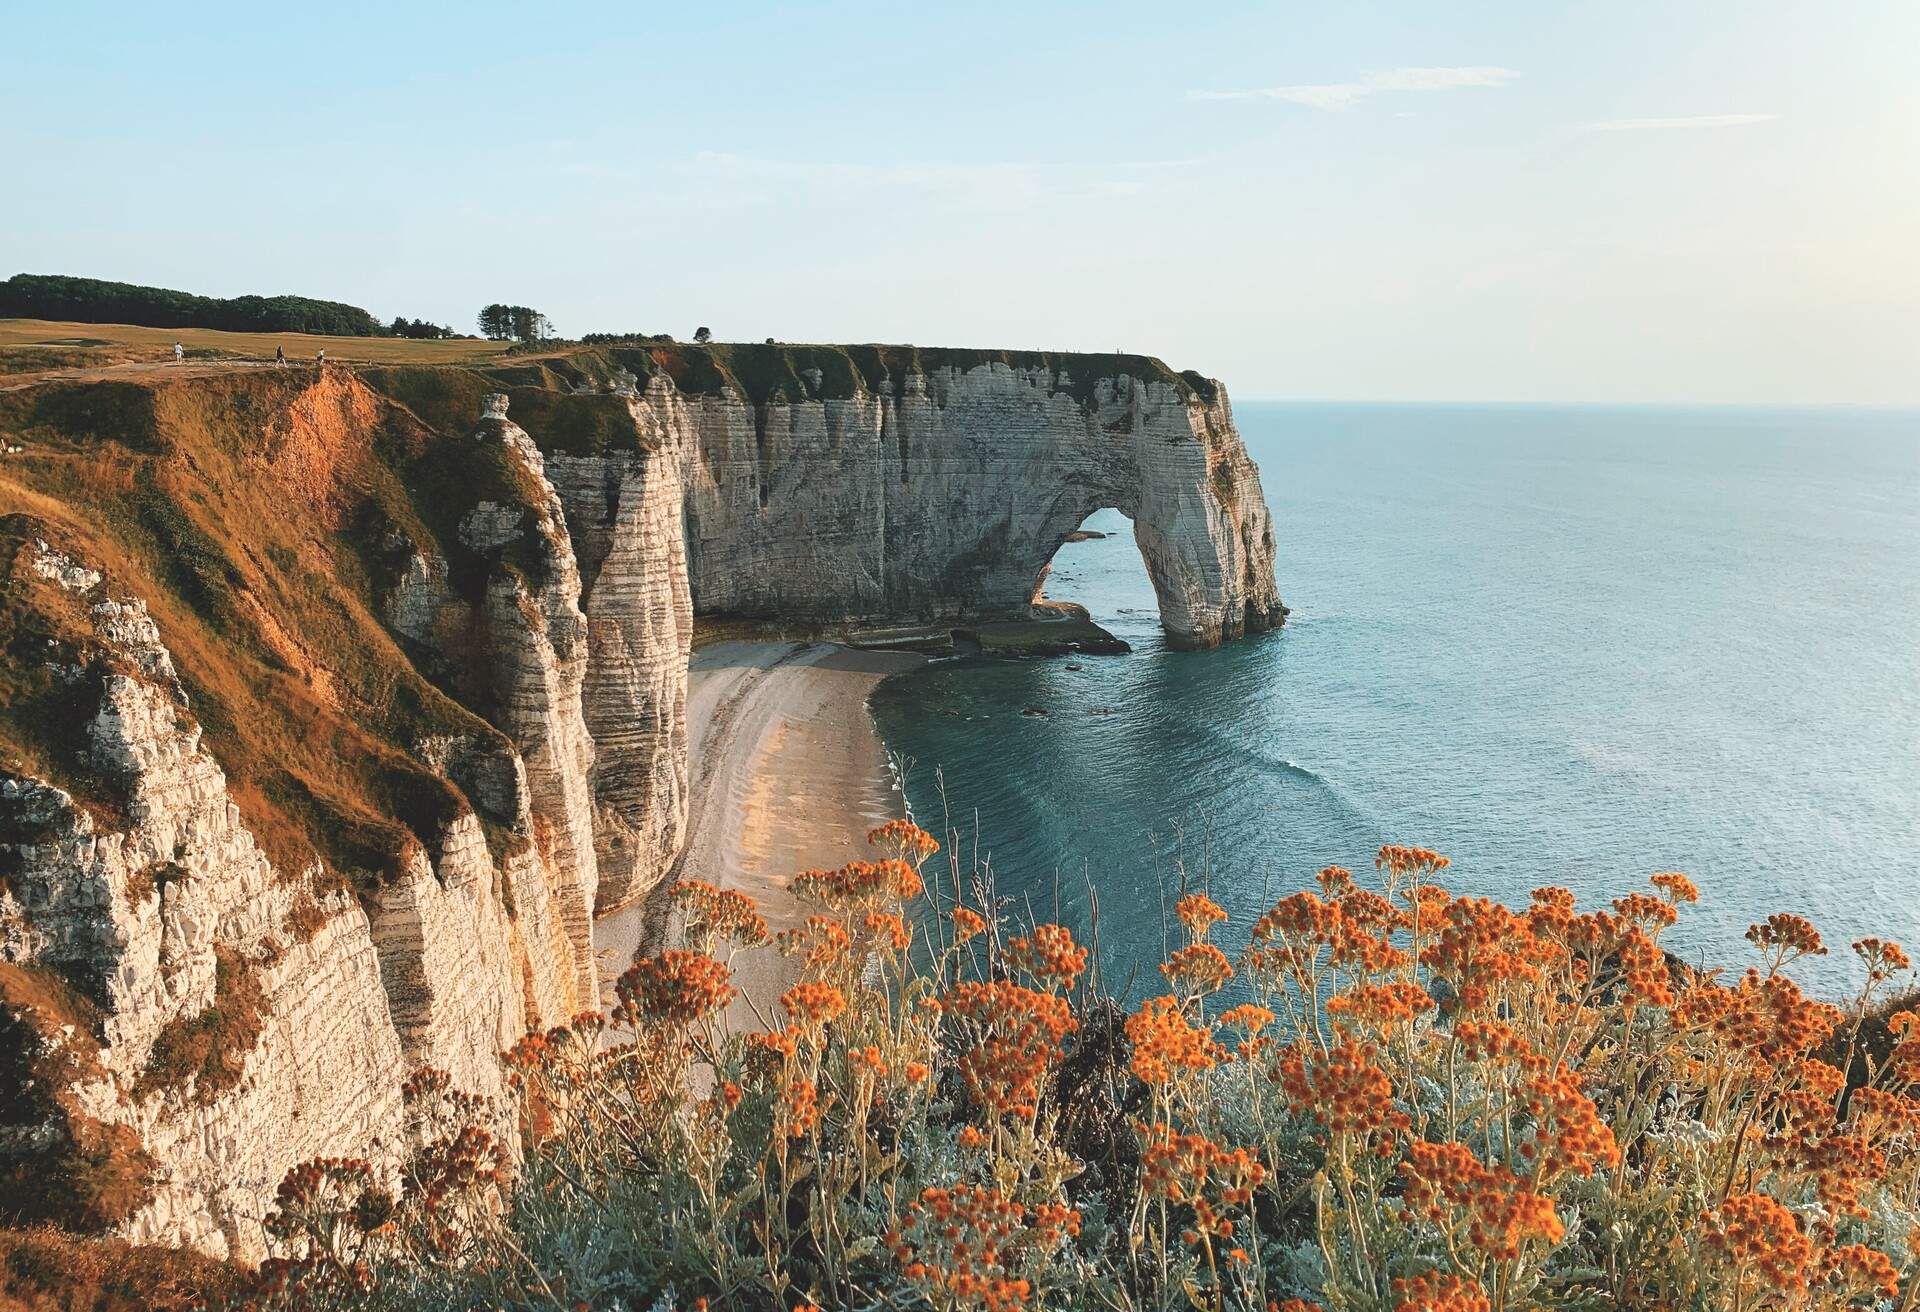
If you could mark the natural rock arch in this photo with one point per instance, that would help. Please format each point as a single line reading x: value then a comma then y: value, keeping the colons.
x: 945, y: 497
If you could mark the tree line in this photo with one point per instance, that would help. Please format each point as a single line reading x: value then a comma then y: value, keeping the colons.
x: 96, y: 300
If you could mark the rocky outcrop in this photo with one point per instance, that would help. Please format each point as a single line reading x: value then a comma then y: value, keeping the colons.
x: 944, y: 497
x: 625, y: 510
x: 516, y: 692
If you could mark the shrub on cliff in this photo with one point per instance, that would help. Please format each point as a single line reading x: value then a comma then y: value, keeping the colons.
x: 1390, y: 1099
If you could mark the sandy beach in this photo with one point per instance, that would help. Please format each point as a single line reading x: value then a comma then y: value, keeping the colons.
x: 786, y: 773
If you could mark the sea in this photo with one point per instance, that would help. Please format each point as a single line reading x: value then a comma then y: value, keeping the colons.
x: 1560, y: 645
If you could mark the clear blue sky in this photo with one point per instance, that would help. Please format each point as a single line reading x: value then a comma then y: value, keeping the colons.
x: 1671, y: 201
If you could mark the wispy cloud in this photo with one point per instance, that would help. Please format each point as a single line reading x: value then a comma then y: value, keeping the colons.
x: 1345, y: 95
x: 1693, y: 121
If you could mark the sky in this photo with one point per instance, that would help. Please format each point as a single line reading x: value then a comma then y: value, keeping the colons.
x: 1680, y: 201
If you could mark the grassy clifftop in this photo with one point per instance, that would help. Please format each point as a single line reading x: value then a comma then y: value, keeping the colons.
x: 261, y: 517
x: 761, y: 372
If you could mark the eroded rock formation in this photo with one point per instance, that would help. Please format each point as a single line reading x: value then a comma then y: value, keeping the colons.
x: 444, y: 721
x: 945, y: 496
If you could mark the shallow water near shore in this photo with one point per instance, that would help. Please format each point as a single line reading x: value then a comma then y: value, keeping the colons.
x: 1568, y: 645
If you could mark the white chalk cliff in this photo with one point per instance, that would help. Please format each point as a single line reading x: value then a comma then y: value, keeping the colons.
x: 562, y: 615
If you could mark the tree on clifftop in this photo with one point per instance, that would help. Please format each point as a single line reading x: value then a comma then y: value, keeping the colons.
x: 530, y: 325
x: 520, y: 322
x: 703, y: 334
x: 496, y: 322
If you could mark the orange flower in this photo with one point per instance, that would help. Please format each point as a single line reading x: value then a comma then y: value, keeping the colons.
x: 716, y: 914
x: 1199, y: 913
x: 1434, y: 1292
x: 887, y: 929
x: 1379, y: 1007
x: 1335, y: 880
x: 674, y: 988
x: 1883, y: 958
x: 822, y: 942
x: 1342, y: 1089
x: 1019, y: 1033
x: 1409, y: 860
x: 975, y: 1247
x: 1049, y: 955
x: 1568, y: 1132
x: 1784, y: 938
x: 1758, y: 1240
x: 811, y: 1003
x: 860, y: 884
x: 1194, y: 1170
x: 1859, y: 1274
x: 798, y: 1108
x: 1198, y: 969
x: 1676, y: 886
x: 1164, y: 1041
x: 1502, y: 1214
x: 1247, y: 1017
x: 967, y: 924
x: 907, y: 839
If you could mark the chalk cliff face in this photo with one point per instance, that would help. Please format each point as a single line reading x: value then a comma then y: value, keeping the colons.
x: 945, y: 496
x: 345, y: 800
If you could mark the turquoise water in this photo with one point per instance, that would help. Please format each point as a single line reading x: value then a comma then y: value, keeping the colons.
x: 1561, y: 645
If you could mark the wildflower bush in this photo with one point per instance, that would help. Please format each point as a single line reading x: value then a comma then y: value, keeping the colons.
x: 1391, y: 1099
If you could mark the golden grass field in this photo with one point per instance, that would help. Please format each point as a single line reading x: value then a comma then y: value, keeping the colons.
x: 34, y: 348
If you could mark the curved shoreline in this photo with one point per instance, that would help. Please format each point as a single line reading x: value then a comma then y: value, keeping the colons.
x: 786, y: 772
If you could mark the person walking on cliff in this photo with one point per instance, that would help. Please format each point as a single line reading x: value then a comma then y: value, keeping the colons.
x: 179, y: 353
x: 280, y: 357
x: 322, y: 357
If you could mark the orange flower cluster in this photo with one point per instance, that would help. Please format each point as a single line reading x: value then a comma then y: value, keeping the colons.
x: 1199, y: 913
x: 1650, y: 913
x: 860, y: 884
x: 1482, y: 949
x: 1344, y: 1090
x: 1568, y: 1134
x: 1676, y: 886
x: 1883, y: 959
x: 1785, y: 937
x: 1165, y: 1041
x: 798, y: 1108
x: 907, y: 840
x: 1193, y: 1169
x: 1859, y: 1274
x: 886, y: 929
x: 1435, y: 1292
x: 1751, y: 1234
x: 971, y: 1245
x: 674, y: 988
x: 1645, y: 978
x: 1248, y: 1017
x: 1447, y: 1184
x: 768, y: 1051
x: 821, y: 942
x: 1398, y: 860
x: 812, y: 1003
x: 1766, y: 1018
x: 716, y: 914
x: 1197, y: 969
x: 1377, y: 1008
x: 1020, y: 1036
x: 1050, y: 956
x: 1495, y: 1041
x: 968, y: 924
